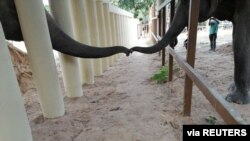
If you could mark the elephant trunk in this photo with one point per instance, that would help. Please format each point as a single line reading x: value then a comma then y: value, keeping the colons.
x: 176, y: 27
x: 65, y: 44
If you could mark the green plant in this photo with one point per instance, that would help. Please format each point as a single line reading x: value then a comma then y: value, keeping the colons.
x: 161, y: 75
x: 211, y: 120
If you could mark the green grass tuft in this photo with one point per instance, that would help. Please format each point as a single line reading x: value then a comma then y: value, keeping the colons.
x: 211, y: 120
x: 161, y: 75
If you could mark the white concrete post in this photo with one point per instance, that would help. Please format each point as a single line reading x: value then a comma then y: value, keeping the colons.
x: 133, y: 27
x: 14, y: 125
x: 107, y: 20
x: 113, y: 32
x: 120, y: 32
x: 119, y: 29
x: 62, y: 13
x: 131, y: 35
x: 102, y: 30
x: 125, y: 30
x: 123, y: 27
x: 128, y: 31
x: 87, y: 71
x: 81, y: 25
x: 128, y: 23
x: 37, y: 40
x: 94, y: 33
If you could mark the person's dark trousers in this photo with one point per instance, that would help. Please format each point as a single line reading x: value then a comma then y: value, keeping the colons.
x: 212, y: 38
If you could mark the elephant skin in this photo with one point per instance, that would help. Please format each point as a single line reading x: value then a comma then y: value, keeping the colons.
x: 60, y: 40
x: 236, y: 11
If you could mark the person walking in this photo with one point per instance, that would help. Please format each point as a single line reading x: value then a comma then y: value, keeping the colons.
x: 213, y: 23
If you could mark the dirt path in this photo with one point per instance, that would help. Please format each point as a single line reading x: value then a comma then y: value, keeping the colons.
x: 124, y: 105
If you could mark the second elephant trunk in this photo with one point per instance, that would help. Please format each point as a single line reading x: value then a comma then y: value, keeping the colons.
x: 178, y: 24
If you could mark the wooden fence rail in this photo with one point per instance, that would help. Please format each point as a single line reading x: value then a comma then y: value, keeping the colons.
x: 192, y: 76
x: 216, y: 100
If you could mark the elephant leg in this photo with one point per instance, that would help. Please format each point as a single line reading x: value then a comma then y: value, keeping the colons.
x: 241, y: 45
x: 231, y: 87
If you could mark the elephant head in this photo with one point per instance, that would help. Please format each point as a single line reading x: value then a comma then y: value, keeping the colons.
x: 60, y: 40
x: 180, y: 21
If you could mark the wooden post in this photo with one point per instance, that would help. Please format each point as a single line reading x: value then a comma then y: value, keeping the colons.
x: 38, y: 43
x: 171, y: 60
x: 192, y: 35
x: 223, y: 108
x: 62, y: 13
x: 14, y: 124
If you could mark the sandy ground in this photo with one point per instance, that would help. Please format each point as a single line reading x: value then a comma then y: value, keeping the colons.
x: 125, y: 105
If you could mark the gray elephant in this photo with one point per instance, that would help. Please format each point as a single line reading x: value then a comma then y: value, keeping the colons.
x: 60, y: 41
x: 236, y: 11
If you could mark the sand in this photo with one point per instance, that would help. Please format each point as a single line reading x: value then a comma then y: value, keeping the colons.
x: 125, y: 105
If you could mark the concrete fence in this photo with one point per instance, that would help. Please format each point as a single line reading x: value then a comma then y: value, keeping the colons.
x: 92, y: 22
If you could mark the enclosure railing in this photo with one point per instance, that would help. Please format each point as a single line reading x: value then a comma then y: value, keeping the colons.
x: 227, y: 113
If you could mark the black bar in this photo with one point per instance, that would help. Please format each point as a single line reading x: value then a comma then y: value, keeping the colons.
x: 216, y: 132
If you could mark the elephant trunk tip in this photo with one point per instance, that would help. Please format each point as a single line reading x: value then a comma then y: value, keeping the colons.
x: 138, y: 49
x: 127, y: 51
x: 121, y: 49
x: 148, y: 50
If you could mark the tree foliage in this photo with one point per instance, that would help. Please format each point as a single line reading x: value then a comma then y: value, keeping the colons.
x: 138, y: 7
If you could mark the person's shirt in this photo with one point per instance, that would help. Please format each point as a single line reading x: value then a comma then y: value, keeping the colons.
x: 213, y: 27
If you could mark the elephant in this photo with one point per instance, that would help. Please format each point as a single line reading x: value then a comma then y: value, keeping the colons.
x: 60, y: 40
x: 235, y: 11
